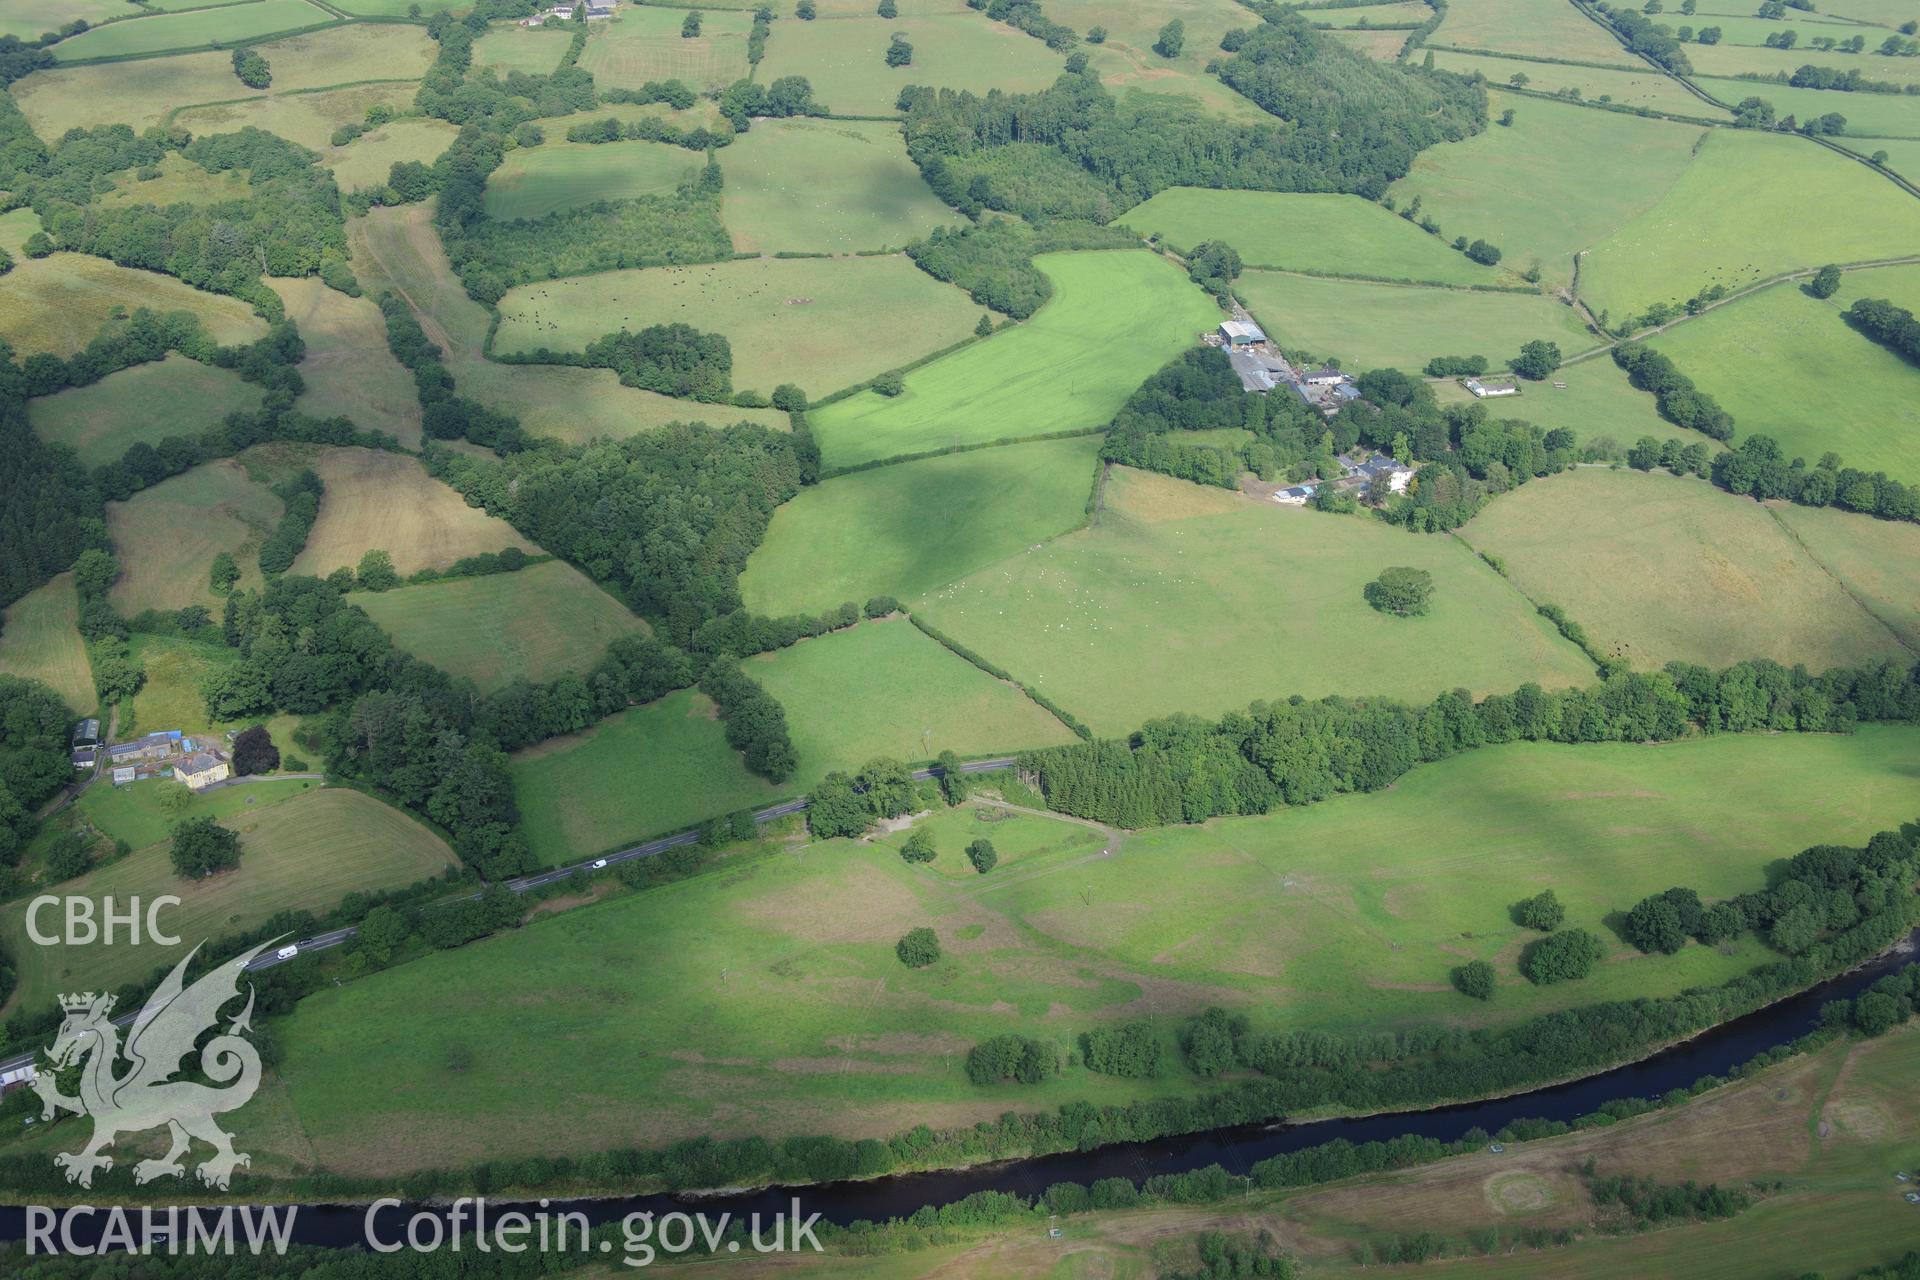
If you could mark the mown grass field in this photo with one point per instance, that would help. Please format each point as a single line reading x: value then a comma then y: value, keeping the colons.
x: 1110, y: 311
x: 1829, y: 1126
x: 641, y: 773
x: 57, y: 304
x: 1342, y: 234
x: 1373, y: 325
x: 149, y: 402
x: 1750, y: 206
x: 387, y: 502
x: 534, y: 624
x: 887, y: 689
x: 1517, y: 26
x: 819, y: 323
x: 534, y: 50
x: 1127, y: 60
x: 301, y: 848
x: 40, y: 639
x: 756, y: 1001
x: 641, y: 44
x: 397, y: 248
x: 166, y: 537
x: 349, y: 370
x: 1877, y: 561
x: 906, y: 529
x: 1657, y: 568
x: 535, y: 181
x: 825, y: 186
x: 366, y: 161
x: 1597, y: 401
x: 146, y: 91
x: 1190, y: 599
x: 193, y: 30
x: 1582, y: 174
x: 1785, y: 364
x: 845, y: 58
x: 1633, y: 88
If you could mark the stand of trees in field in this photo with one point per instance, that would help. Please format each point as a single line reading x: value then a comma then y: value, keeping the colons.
x: 1186, y: 769
x: 1353, y: 125
x: 1199, y: 391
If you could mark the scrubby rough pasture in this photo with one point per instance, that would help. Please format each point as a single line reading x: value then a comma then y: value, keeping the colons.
x: 306, y: 118
x: 535, y: 181
x: 386, y: 502
x: 1787, y: 365
x: 533, y: 624
x: 642, y: 44
x: 645, y: 771
x: 1128, y: 61
x: 845, y: 58
x: 1340, y: 235
x: 301, y: 848
x: 822, y: 324
x: 1051, y: 374
x: 1876, y: 561
x: 167, y: 536
x: 57, y: 304
x: 887, y: 689
x: 40, y: 640
x: 909, y: 528
x: 787, y: 185
x: 1328, y: 917
x: 1658, y: 568
x: 349, y: 370
x: 148, y: 402
x: 368, y: 159
x: 1370, y: 326
x: 27, y: 19
x: 1200, y: 600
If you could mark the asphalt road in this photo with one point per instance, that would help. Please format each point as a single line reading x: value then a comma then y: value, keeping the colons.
x: 333, y: 938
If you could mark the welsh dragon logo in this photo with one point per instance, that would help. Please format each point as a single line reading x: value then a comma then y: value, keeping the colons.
x: 142, y: 1095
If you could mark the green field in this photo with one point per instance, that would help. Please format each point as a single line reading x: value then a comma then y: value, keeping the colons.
x: 306, y: 118
x: 1523, y: 27
x: 397, y: 249
x: 822, y: 324
x: 1785, y: 364
x: 533, y: 50
x: 180, y: 182
x: 366, y: 161
x: 1127, y: 61
x: 825, y: 186
x: 40, y: 639
x: 887, y: 689
x: 1403, y: 326
x: 1597, y: 401
x: 1641, y: 88
x: 1558, y: 180
x: 1658, y: 568
x: 148, y: 402
x: 1903, y: 155
x: 1343, y: 234
x: 195, y: 30
x: 301, y: 849
x: 906, y: 529
x: 1190, y: 599
x: 1727, y: 60
x: 28, y: 19
x: 642, y: 44
x: 166, y: 537
x: 147, y: 91
x: 1409, y: 11
x: 1752, y: 205
x: 641, y: 773
x: 845, y: 58
x: 349, y: 370
x: 535, y: 181
x: 784, y: 1011
x: 170, y: 698
x: 1877, y: 561
x: 534, y: 624
x: 1869, y: 115
x: 57, y: 304
x: 1124, y: 311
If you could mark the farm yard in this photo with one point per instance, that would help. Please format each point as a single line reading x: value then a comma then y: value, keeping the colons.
x: 807, y: 321
x: 1045, y: 418
x: 1294, y: 917
x: 533, y: 624
x: 1169, y: 601
x: 1040, y: 378
x: 1660, y: 569
x: 866, y: 534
